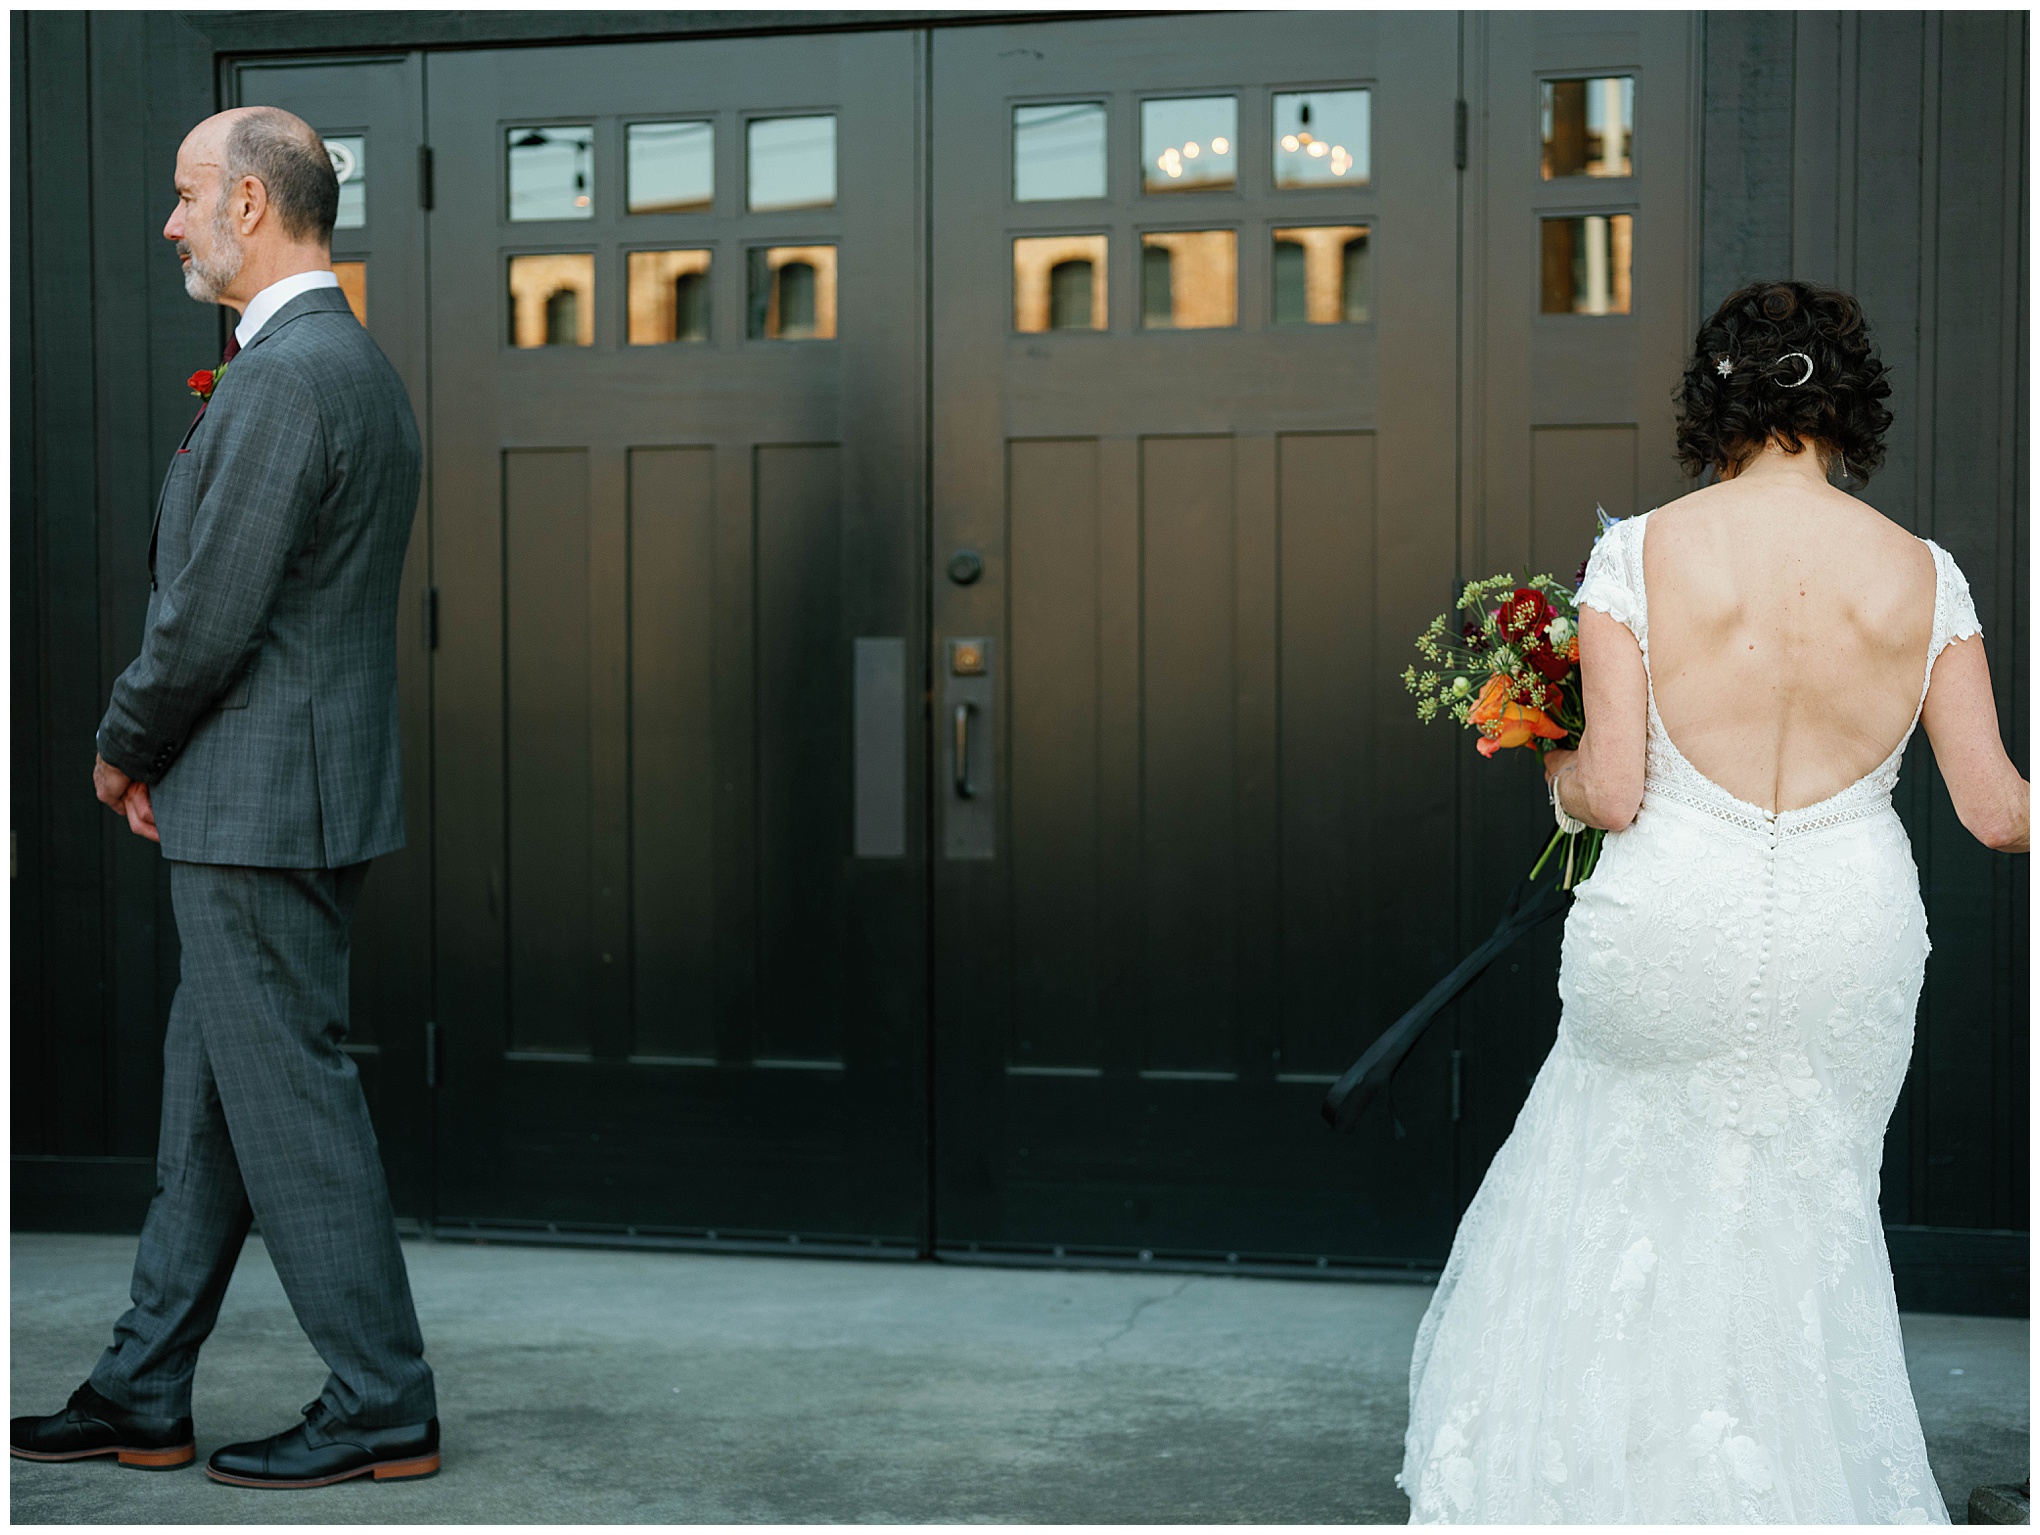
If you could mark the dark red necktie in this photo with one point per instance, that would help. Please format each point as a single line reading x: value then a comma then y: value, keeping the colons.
x: 233, y: 347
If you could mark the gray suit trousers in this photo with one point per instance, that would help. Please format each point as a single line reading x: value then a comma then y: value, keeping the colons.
x: 263, y: 1114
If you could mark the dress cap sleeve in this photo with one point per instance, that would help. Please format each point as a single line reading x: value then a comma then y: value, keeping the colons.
x: 1954, y: 609
x: 1608, y: 584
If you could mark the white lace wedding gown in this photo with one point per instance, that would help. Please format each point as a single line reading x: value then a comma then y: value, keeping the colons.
x: 1670, y: 1301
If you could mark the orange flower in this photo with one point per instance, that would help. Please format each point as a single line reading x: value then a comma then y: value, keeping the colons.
x: 1493, y: 697
x: 1505, y: 723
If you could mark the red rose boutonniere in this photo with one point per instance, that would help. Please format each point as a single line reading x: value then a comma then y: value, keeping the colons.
x: 205, y: 381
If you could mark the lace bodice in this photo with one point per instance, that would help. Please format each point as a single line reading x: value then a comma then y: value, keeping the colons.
x: 1614, y: 584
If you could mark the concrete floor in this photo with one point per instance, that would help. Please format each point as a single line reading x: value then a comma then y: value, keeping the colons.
x: 603, y: 1387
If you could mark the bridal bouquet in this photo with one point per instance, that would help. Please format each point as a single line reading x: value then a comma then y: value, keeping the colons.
x: 1511, y: 671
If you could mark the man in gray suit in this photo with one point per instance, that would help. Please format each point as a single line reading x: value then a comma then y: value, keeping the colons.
x: 256, y: 739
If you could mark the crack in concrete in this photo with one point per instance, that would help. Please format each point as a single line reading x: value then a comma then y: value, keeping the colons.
x: 1140, y: 1306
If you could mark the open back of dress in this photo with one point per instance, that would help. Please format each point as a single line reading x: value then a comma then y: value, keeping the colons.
x: 1788, y: 661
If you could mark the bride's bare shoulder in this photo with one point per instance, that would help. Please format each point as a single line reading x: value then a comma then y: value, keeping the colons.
x: 1731, y: 532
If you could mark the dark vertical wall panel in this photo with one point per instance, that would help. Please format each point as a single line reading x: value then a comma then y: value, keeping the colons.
x: 1966, y: 1014
x: 26, y: 799
x: 1746, y: 163
x: 76, y: 830
x: 803, y: 731
x: 1188, y: 799
x: 1051, y: 841
x: 546, y: 660
x: 672, y: 743
x: 1904, y: 160
x: 1328, y: 665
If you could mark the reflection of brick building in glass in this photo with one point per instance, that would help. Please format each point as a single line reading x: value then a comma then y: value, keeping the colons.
x: 1189, y: 279
x: 1059, y: 283
x: 552, y: 300
x: 1586, y: 264
x: 353, y: 277
x: 793, y: 293
x: 1320, y: 275
x: 668, y: 298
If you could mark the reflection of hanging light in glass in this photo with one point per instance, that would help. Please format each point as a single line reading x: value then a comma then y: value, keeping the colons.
x: 1221, y: 146
x: 1291, y: 142
x: 1317, y: 149
x: 1170, y: 161
x: 1190, y: 150
x: 1341, y: 161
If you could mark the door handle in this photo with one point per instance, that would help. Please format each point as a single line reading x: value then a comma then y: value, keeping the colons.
x: 962, y: 748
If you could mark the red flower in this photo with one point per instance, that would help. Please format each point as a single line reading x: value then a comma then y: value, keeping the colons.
x: 1550, y: 663
x: 1526, y: 613
x: 201, y: 383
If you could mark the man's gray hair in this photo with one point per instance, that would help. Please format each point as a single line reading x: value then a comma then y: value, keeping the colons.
x: 284, y: 154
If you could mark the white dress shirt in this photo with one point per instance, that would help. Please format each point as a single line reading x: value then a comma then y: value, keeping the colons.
x: 274, y: 297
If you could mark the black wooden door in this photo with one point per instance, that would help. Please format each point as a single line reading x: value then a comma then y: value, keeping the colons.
x: 1579, y: 299
x: 676, y: 459
x: 1195, y: 283
x: 371, y: 114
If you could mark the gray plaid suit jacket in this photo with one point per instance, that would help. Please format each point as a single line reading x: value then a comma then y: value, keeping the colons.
x: 262, y: 710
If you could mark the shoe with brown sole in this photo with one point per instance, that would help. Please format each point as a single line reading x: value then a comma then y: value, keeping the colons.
x: 324, y: 1449
x: 90, y: 1427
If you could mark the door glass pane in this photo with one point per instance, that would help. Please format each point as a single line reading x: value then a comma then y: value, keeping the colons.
x: 353, y: 277
x: 1589, y: 126
x: 668, y: 296
x: 1586, y: 264
x: 552, y: 173
x: 1321, y: 275
x: 1059, y: 283
x: 1189, y: 279
x: 349, y: 155
x: 1059, y: 151
x: 792, y: 293
x: 1188, y: 144
x: 552, y: 300
x: 792, y: 163
x: 1322, y: 138
x: 671, y: 167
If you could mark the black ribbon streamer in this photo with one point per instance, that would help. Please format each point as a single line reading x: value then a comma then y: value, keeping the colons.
x: 1533, y: 902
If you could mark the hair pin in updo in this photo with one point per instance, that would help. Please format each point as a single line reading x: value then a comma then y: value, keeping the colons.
x: 1724, y: 365
x: 1802, y: 377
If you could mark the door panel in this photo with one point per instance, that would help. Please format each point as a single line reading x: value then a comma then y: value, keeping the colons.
x: 1564, y: 411
x: 1184, y: 928
x: 375, y: 107
x: 658, y: 542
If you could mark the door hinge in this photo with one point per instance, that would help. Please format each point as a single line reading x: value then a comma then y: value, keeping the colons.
x: 425, y: 177
x: 428, y: 617
x: 1458, y: 135
x: 1457, y: 1073
x: 431, y: 1053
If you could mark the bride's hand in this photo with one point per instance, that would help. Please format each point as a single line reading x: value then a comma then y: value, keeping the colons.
x: 1555, y: 759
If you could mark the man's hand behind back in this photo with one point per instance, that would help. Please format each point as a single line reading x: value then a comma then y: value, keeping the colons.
x: 125, y: 796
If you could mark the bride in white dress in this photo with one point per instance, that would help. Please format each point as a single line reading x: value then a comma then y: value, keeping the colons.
x: 1670, y: 1301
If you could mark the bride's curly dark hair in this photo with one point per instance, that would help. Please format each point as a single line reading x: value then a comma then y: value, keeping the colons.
x: 1724, y: 419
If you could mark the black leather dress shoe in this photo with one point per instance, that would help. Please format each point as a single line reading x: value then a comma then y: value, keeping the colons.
x: 90, y: 1425
x: 323, y: 1450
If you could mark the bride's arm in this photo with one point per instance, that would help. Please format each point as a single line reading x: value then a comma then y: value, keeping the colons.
x: 1993, y: 801
x: 1603, y: 780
